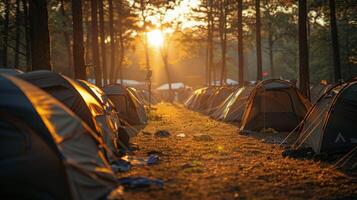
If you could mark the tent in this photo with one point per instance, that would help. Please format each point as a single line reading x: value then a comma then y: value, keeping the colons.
x: 275, y: 104
x: 217, y: 98
x: 128, y: 105
x: 331, y: 124
x: 47, y: 152
x: 318, y: 90
x: 76, y: 98
x: 199, y: 99
x: 10, y: 71
x: 235, y: 106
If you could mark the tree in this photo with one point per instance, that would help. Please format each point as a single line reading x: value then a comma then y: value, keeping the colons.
x: 78, y: 47
x: 66, y: 35
x: 304, y: 79
x: 335, y: 43
x: 258, y: 40
x: 223, y: 14
x: 5, y: 34
x: 112, y: 41
x: 240, y: 43
x: 102, y: 41
x: 40, y: 37
x: 95, y: 48
x: 18, y: 34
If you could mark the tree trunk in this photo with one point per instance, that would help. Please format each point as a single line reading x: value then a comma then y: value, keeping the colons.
x: 271, y: 52
x: 102, y: 41
x: 5, y: 34
x: 17, y: 37
x: 240, y: 44
x: 304, y: 79
x: 335, y: 43
x: 210, y: 42
x: 27, y: 36
x: 119, y: 69
x: 66, y: 36
x: 78, y: 47
x: 112, y: 41
x: 95, y: 48
x: 258, y: 40
x: 39, y: 34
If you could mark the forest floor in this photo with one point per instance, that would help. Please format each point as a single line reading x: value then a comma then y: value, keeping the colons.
x: 206, y: 159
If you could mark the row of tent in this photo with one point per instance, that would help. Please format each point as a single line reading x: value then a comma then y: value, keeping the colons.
x: 60, y: 137
x: 327, y: 125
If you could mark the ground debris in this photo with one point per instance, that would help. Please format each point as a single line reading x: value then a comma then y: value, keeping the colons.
x: 162, y: 133
x: 202, y: 138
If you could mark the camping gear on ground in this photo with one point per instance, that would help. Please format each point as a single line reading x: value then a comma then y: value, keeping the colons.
x: 127, y: 104
x: 330, y: 126
x: 276, y: 104
x: 47, y: 152
x: 82, y: 103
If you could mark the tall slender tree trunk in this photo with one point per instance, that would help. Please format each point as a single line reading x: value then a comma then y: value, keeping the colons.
x: 258, y: 40
x: 102, y: 41
x: 27, y: 35
x: 87, y: 42
x: 40, y: 37
x: 304, y: 77
x: 18, y: 34
x: 78, y: 46
x: 210, y: 42
x: 335, y: 43
x: 271, y: 52
x: 119, y: 70
x: 95, y: 48
x: 240, y: 44
x: 5, y: 34
x: 112, y: 41
x: 66, y: 36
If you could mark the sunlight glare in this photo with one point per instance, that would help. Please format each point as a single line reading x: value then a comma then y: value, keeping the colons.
x: 155, y: 38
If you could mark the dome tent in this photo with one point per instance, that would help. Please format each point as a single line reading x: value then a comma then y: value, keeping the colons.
x: 330, y: 126
x: 219, y: 96
x: 275, y: 104
x: 127, y: 104
x: 234, y: 109
x: 47, y: 151
x: 81, y: 102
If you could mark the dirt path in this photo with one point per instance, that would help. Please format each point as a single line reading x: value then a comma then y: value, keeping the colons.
x: 230, y: 166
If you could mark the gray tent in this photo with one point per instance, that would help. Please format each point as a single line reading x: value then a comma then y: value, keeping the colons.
x: 234, y: 108
x: 82, y: 103
x: 331, y: 124
x: 127, y: 104
x: 275, y: 104
x: 47, y: 152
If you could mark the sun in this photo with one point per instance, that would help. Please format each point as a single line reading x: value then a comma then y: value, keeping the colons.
x: 155, y: 38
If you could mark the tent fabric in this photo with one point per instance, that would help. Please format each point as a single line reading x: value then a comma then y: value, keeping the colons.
x: 318, y: 90
x: 274, y: 104
x: 128, y: 105
x: 234, y: 108
x: 330, y: 125
x: 217, y: 98
x: 76, y: 98
x: 199, y: 99
x: 86, y: 170
x: 10, y: 71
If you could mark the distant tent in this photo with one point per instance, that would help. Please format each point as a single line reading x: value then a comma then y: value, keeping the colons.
x: 76, y: 98
x: 217, y: 98
x: 47, y: 152
x: 234, y: 109
x: 275, y: 104
x: 318, y: 90
x: 128, y: 105
x: 331, y: 124
x: 199, y: 99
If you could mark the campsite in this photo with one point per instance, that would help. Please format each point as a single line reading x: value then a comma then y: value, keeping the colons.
x: 179, y: 99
